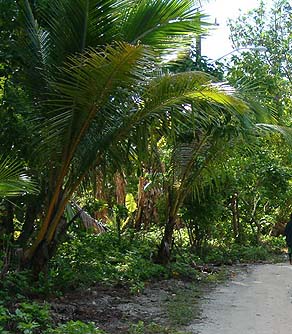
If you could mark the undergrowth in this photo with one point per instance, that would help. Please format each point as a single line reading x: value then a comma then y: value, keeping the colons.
x: 86, y: 259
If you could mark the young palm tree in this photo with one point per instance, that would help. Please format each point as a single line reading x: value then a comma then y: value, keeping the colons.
x: 92, y: 74
x: 88, y: 67
x: 199, y: 140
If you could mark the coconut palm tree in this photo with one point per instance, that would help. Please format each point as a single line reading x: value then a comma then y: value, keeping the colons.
x: 91, y: 70
x: 88, y: 68
x: 201, y: 145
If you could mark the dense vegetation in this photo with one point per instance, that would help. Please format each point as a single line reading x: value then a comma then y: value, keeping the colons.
x: 119, y: 166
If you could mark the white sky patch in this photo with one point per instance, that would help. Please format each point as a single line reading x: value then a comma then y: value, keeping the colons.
x: 217, y: 44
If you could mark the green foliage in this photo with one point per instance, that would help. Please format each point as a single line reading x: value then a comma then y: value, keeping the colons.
x: 236, y: 254
x: 268, y: 73
x: 4, y: 318
x: 203, y: 216
x: 33, y: 318
x: 13, y: 180
x: 182, y: 268
x: 130, y: 203
x: 25, y: 318
x: 76, y: 327
x: 262, y: 182
x: 15, y: 286
x: 90, y: 88
x: 191, y: 61
x: 91, y: 82
x: 153, y: 328
x: 88, y: 258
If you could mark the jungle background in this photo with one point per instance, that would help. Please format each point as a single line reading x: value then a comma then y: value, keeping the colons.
x: 128, y: 157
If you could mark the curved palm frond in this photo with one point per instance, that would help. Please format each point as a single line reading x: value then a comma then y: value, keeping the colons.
x: 90, y: 82
x: 37, y: 45
x: 185, y: 101
x: 70, y: 27
x: 269, y: 128
x: 77, y: 25
x: 13, y: 180
x: 162, y: 23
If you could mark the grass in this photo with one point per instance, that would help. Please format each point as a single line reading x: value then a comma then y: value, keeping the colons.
x: 153, y: 328
x: 182, y: 306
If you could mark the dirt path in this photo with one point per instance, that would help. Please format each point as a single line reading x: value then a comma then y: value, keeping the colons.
x: 258, y: 301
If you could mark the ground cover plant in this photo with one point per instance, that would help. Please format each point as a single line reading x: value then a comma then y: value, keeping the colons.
x: 89, y: 260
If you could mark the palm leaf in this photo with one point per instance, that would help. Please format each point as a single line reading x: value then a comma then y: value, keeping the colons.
x: 37, y: 44
x: 160, y: 99
x: 90, y: 83
x: 76, y: 25
x: 13, y: 180
x: 162, y: 23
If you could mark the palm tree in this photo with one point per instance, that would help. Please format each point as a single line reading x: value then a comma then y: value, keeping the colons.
x: 207, y: 130
x: 92, y: 74
x: 89, y: 70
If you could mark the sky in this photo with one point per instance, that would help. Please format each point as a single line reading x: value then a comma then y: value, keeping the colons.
x: 217, y: 44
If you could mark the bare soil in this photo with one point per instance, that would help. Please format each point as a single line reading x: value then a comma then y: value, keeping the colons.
x: 114, y: 309
x: 256, y: 299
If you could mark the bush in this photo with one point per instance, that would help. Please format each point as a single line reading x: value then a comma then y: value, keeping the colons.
x: 25, y: 318
x: 87, y: 259
x: 237, y: 253
x: 76, y: 327
x: 275, y: 244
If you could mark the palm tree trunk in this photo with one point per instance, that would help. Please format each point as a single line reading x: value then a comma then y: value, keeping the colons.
x: 140, y: 204
x: 27, y: 229
x: 45, y: 250
x: 100, y: 194
x: 235, y: 219
x: 164, y: 251
x: 120, y: 188
x: 43, y: 247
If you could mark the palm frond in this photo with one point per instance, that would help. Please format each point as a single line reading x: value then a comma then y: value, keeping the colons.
x: 162, y: 23
x: 183, y: 101
x: 13, y: 180
x: 77, y: 25
x: 268, y: 129
x: 37, y: 43
x: 88, y: 95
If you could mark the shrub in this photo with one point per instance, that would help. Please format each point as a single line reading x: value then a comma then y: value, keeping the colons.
x: 76, y: 327
x: 87, y: 259
x: 26, y: 318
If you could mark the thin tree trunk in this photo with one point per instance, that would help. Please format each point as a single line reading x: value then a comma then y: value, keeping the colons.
x: 101, y: 214
x: 6, y: 222
x: 237, y: 233
x: 31, y: 212
x: 140, y: 204
x: 120, y: 188
x: 164, y: 251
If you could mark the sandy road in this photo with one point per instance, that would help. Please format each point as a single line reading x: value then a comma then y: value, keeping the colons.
x: 258, y: 301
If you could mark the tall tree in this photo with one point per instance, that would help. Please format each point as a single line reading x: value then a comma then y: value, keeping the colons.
x: 270, y: 72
